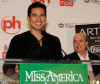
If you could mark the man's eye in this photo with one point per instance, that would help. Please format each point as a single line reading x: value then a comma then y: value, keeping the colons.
x: 81, y: 41
x: 34, y: 15
x: 75, y: 41
x: 43, y: 15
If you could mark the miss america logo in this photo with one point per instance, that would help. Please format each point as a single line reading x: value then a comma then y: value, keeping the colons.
x: 50, y: 77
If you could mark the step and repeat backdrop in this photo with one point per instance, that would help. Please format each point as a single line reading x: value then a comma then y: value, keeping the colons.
x: 64, y: 19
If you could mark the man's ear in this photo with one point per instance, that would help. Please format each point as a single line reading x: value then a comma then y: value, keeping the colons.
x: 86, y: 43
x: 28, y: 18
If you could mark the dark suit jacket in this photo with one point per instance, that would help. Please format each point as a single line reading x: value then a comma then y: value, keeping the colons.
x: 74, y: 56
x: 96, y: 68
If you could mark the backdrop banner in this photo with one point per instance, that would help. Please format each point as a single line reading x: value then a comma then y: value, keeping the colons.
x: 62, y: 16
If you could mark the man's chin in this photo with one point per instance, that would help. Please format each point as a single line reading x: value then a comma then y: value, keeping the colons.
x: 78, y: 51
x: 37, y: 28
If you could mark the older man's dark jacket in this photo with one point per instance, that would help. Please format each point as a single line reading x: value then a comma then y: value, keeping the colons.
x: 74, y: 56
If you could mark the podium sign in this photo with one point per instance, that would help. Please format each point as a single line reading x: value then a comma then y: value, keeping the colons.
x: 43, y: 73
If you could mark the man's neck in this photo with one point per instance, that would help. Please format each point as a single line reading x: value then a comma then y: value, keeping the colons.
x: 36, y: 33
x: 83, y: 54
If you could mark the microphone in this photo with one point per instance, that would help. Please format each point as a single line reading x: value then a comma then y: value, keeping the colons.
x: 65, y: 55
x: 64, y: 52
x: 43, y: 32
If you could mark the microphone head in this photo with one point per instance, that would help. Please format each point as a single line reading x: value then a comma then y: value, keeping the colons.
x: 43, y: 32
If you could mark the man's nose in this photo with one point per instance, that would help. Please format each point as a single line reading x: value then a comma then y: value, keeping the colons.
x: 39, y: 18
x: 78, y: 43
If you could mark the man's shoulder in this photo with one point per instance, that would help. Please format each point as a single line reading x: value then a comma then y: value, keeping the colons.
x: 93, y: 56
x: 20, y: 37
x: 51, y: 36
x: 22, y: 34
x: 69, y: 56
x: 72, y: 54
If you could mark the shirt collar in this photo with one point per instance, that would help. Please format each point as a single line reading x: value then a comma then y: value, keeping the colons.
x: 86, y: 58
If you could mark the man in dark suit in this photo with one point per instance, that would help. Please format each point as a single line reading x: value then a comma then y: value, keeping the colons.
x: 80, y: 44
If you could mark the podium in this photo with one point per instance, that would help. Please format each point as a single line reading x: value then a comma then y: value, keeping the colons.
x: 55, y: 69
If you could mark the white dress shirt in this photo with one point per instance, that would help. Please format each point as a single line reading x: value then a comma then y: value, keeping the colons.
x: 89, y: 66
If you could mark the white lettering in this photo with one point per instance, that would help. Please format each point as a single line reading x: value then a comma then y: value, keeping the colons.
x: 35, y: 76
x: 29, y: 76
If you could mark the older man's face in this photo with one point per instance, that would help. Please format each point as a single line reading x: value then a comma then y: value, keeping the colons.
x: 80, y: 43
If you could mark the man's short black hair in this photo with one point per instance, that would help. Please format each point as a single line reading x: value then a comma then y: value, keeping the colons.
x: 35, y: 5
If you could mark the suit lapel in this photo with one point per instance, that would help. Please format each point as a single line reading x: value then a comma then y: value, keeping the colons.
x: 76, y: 56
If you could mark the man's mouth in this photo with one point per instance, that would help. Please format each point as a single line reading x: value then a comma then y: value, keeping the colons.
x: 38, y: 23
x: 78, y: 46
